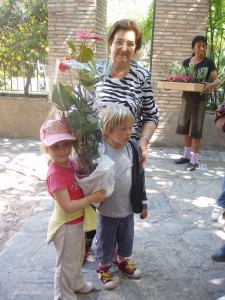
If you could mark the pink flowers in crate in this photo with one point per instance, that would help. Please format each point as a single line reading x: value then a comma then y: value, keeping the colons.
x: 178, y: 73
x: 169, y: 78
x: 186, y: 78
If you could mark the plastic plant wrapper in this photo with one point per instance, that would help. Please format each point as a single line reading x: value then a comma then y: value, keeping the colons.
x: 101, y: 178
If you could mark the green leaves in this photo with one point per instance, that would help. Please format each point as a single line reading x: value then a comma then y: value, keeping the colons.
x: 23, y: 37
x: 63, y: 96
x: 197, y: 75
x: 215, y: 33
x: 72, y: 46
x: 201, y: 74
x: 177, y: 72
x: 85, y: 125
x: 86, y: 54
x: 78, y: 114
x: 81, y: 124
x: 87, y: 79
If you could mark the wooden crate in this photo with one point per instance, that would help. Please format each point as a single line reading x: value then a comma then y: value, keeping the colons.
x: 180, y: 86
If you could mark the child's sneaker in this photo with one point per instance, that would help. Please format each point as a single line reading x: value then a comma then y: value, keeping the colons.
x: 129, y: 269
x: 217, y: 212
x: 105, y: 277
x: 114, y: 261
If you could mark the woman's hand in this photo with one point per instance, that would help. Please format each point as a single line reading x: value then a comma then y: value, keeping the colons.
x: 146, y: 134
x: 207, y: 89
x: 144, y: 156
x: 209, y: 86
x: 144, y: 214
x: 144, y: 150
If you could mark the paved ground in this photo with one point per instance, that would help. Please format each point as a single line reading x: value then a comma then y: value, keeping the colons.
x: 172, y: 247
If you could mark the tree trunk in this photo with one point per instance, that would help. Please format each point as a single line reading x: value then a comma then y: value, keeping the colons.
x: 28, y: 80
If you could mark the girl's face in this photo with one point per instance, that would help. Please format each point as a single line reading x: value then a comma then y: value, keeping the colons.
x: 60, y: 152
x: 200, y: 48
x: 123, y: 46
x: 220, y: 123
x: 120, y: 135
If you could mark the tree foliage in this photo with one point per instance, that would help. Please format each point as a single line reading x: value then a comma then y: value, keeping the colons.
x: 216, y: 47
x: 23, y: 36
x: 147, y: 24
x: 215, y: 33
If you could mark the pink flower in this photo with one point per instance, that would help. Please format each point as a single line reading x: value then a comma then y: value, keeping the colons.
x: 63, y: 67
x: 188, y: 78
x: 87, y: 35
x: 179, y: 78
x: 169, y: 78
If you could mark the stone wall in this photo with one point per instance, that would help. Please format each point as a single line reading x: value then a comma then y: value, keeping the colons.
x: 22, y: 117
x: 212, y: 137
x: 177, y: 22
x: 65, y: 17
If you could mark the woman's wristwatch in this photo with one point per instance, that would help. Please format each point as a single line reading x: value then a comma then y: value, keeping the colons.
x: 144, y: 137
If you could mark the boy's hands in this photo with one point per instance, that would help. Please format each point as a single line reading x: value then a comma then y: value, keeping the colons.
x: 144, y: 214
x: 99, y: 196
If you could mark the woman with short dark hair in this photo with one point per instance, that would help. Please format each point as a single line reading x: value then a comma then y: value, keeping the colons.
x: 192, y: 112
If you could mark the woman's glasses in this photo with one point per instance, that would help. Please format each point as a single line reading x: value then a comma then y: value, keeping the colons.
x: 128, y: 45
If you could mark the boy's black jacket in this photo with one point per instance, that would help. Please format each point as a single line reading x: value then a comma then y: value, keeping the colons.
x: 138, y: 191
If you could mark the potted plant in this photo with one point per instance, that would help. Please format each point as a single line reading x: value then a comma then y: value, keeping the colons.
x: 177, y: 77
x: 73, y: 103
x: 72, y: 100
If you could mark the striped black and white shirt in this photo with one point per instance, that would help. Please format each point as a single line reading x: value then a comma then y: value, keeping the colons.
x: 133, y: 91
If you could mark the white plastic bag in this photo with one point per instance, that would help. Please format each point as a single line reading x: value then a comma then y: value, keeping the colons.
x: 101, y: 178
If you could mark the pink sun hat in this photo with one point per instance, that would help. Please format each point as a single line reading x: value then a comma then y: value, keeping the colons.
x: 53, y: 131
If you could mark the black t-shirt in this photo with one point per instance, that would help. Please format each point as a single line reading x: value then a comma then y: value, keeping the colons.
x: 206, y: 62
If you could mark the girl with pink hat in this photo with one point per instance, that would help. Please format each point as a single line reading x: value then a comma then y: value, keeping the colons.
x: 66, y: 223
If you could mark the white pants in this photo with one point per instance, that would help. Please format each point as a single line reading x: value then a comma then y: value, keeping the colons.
x: 69, y: 242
